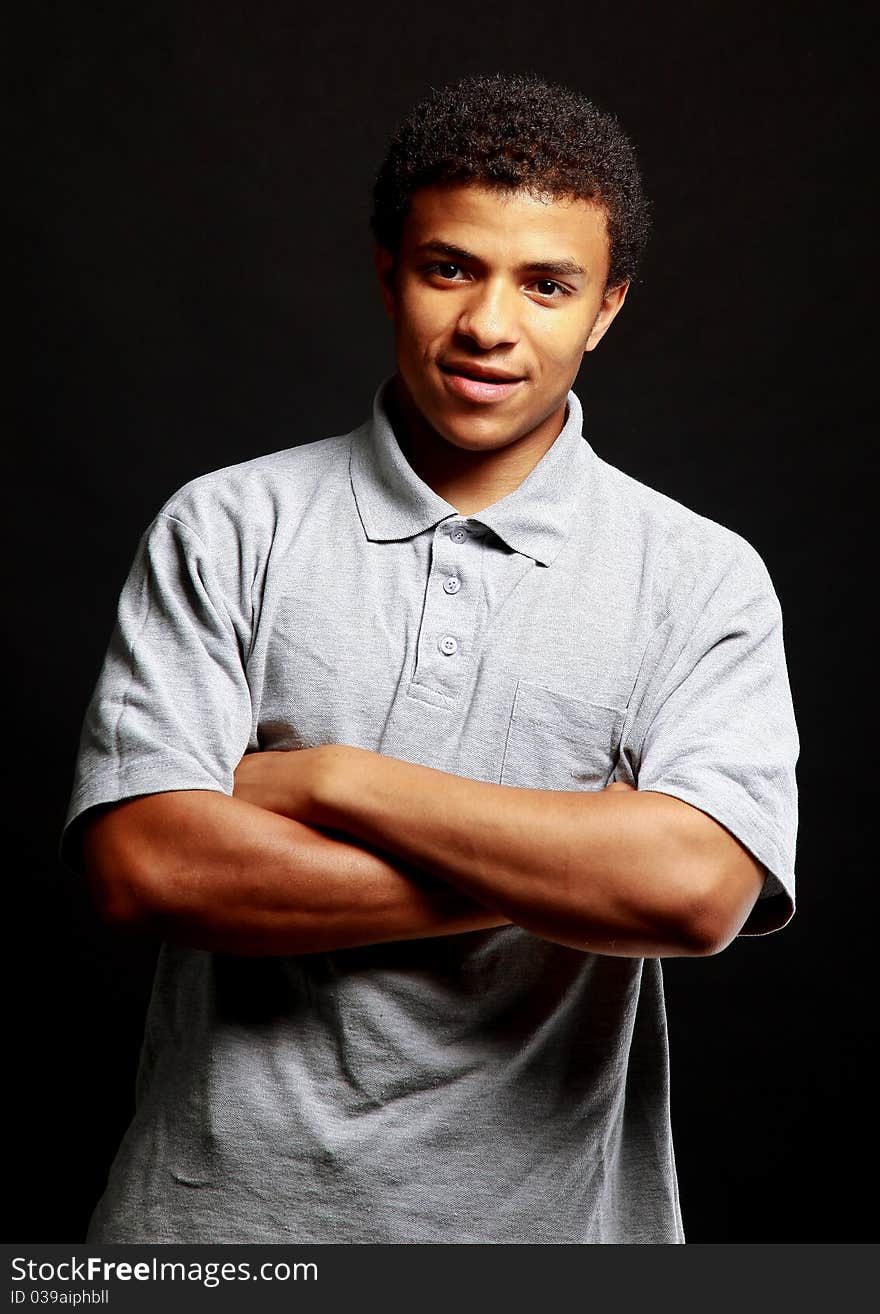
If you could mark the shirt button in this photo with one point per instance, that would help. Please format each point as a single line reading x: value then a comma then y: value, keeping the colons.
x: 458, y: 534
x: 448, y: 645
x: 452, y: 584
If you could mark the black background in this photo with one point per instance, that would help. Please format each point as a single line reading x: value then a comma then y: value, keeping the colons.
x: 190, y: 199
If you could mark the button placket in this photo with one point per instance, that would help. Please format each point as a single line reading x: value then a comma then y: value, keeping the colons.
x: 449, y: 617
x: 448, y: 643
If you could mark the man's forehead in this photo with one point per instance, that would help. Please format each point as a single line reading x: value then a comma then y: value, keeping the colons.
x: 471, y: 216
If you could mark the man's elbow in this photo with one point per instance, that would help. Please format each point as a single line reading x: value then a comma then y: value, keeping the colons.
x: 120, y: 887
x: 720, y: 903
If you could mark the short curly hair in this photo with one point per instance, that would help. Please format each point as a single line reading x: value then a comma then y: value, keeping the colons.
x: 516, y: 132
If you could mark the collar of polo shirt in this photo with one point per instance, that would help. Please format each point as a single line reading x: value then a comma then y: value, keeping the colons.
x: 535, y: 519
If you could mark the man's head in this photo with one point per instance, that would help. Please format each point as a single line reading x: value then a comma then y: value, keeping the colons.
x: 516, y: 132
x: 509, y: 219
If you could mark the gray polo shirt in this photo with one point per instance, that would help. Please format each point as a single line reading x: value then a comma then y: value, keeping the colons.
x: 485, y: 1087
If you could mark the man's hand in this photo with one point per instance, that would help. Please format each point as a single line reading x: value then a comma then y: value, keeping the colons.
x: 281, y: 782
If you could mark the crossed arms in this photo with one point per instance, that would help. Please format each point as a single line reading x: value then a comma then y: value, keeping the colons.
x: 332, y: 847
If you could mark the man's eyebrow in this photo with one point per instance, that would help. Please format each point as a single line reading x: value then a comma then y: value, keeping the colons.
x: 560, y: 267
x: 445, y: 248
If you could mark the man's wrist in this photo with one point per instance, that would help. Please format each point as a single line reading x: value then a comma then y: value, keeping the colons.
x: 333, y: 783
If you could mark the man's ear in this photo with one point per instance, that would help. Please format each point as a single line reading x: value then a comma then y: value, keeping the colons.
x: 385, y: 262
x: 611, y: 304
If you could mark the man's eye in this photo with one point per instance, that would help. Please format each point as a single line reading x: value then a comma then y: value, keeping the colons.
x: 447, y: 271
x: 547, y: 286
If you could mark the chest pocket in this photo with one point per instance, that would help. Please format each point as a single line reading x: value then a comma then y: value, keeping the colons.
x: 555, y: 741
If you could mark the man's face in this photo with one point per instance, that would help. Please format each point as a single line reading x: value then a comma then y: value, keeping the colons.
x: 495, y: 298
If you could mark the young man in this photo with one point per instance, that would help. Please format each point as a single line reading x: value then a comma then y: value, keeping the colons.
x: 421, y: 746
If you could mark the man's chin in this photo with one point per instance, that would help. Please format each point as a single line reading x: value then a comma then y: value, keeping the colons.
x: 467, y: 426
x: 477, y: 434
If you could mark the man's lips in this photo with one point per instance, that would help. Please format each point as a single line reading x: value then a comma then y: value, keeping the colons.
x: 479, y: 383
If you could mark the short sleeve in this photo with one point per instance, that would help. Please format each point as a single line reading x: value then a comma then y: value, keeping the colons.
x: 171, y: 708
x: 714, y: 722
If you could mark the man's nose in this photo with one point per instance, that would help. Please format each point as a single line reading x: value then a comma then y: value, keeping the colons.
x: 490, y: 316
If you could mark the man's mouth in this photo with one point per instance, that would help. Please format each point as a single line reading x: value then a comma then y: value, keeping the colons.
x: 479, y: 383
x: 481, y: 373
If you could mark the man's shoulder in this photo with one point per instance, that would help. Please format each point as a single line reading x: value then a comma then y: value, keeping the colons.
x: 685, y: 544
x: 251, y: 494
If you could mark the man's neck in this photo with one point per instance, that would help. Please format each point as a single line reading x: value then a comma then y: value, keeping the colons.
x: 469, y: 481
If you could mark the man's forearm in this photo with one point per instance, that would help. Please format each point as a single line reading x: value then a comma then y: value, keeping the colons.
x: 219, y: 873
x: 579, y: 868
x: 624, y: 873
